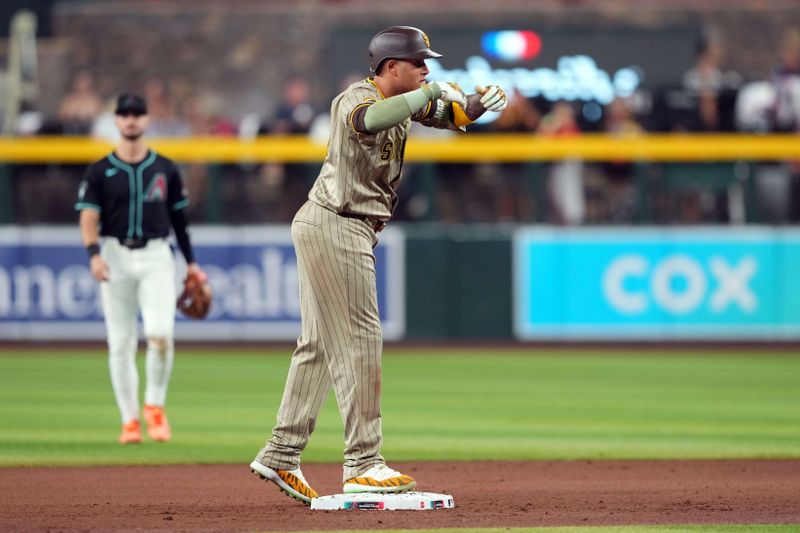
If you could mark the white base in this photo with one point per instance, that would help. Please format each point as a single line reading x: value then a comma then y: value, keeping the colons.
x: 404, y: 501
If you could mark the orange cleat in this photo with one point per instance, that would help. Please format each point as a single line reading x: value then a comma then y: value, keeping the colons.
x: 131, y: 433
x: 291, y: 482
x: 157, y: 424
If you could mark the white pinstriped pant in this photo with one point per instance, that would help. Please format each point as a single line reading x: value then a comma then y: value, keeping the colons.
x: 340, y: 342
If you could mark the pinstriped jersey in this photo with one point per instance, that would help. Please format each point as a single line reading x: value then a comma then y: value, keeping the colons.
x: 361, y: 171
x: 134, y: 199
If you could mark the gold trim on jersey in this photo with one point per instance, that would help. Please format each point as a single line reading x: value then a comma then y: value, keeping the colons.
x: 372, y: 81
x: 353, y: 112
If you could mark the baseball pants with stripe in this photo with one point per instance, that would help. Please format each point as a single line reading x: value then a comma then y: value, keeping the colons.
x: 340, y: 342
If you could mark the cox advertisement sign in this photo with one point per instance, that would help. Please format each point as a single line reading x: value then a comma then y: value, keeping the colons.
x: 657, y: 284
x: 47, y: 292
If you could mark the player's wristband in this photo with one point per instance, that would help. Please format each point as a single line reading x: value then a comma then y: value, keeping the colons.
x: 93, y: 249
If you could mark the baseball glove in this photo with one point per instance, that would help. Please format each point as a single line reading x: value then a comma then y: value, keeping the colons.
x: 195, y: 300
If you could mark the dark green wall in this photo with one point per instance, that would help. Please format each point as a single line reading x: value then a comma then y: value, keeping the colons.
x: 458, y: 282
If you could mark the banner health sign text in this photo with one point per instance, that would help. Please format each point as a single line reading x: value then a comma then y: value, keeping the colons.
x: 47, y: 292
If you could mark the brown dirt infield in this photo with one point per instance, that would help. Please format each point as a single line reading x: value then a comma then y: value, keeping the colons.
x: 500, y: 494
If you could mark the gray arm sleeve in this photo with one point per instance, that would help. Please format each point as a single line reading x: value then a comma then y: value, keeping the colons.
x: 394, y: 110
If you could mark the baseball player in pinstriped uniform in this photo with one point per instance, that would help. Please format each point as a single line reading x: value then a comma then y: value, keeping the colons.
x: 334, y: 234
x: 130, y: 199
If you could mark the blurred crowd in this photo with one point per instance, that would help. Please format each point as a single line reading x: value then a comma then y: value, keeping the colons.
x: 711, y: 98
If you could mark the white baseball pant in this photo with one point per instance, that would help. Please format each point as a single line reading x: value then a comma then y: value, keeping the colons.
x: 141, y: 279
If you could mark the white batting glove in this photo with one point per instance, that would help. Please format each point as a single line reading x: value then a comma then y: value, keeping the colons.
x: 493, y: 98
x: 451, y: 92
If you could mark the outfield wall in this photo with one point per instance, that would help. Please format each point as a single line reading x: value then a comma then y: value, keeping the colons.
x: 447, y: 283
x: 47, y: 292
x: 672, y: 284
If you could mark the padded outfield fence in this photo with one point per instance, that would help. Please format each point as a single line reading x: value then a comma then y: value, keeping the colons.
x: 662, y: 167
x: 498, y: 148
x: 441, y: 281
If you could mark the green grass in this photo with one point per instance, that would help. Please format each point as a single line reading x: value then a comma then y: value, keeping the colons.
x: 438, y: 404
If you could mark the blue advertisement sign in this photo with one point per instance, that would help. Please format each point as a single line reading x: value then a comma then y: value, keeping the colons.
x: 670, y: 284
x: 47, y: 292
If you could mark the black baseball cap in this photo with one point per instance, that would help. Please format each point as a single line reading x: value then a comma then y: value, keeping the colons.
x: 132, y: 104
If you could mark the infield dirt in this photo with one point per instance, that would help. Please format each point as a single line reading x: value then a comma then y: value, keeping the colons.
x: 501, y: 494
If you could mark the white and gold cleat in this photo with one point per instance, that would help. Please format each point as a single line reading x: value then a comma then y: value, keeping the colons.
x: 380, y: 478
x: 292, y: 482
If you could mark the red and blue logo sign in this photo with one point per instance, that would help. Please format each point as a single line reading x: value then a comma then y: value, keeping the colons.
x: 511, y: 45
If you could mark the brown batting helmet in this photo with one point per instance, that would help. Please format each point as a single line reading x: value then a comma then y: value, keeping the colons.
x: 399, y: 42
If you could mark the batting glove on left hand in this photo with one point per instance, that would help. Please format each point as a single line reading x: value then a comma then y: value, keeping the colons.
x: 451, y: 92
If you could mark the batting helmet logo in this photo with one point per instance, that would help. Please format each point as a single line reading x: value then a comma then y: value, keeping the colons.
x: 399, y: 42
